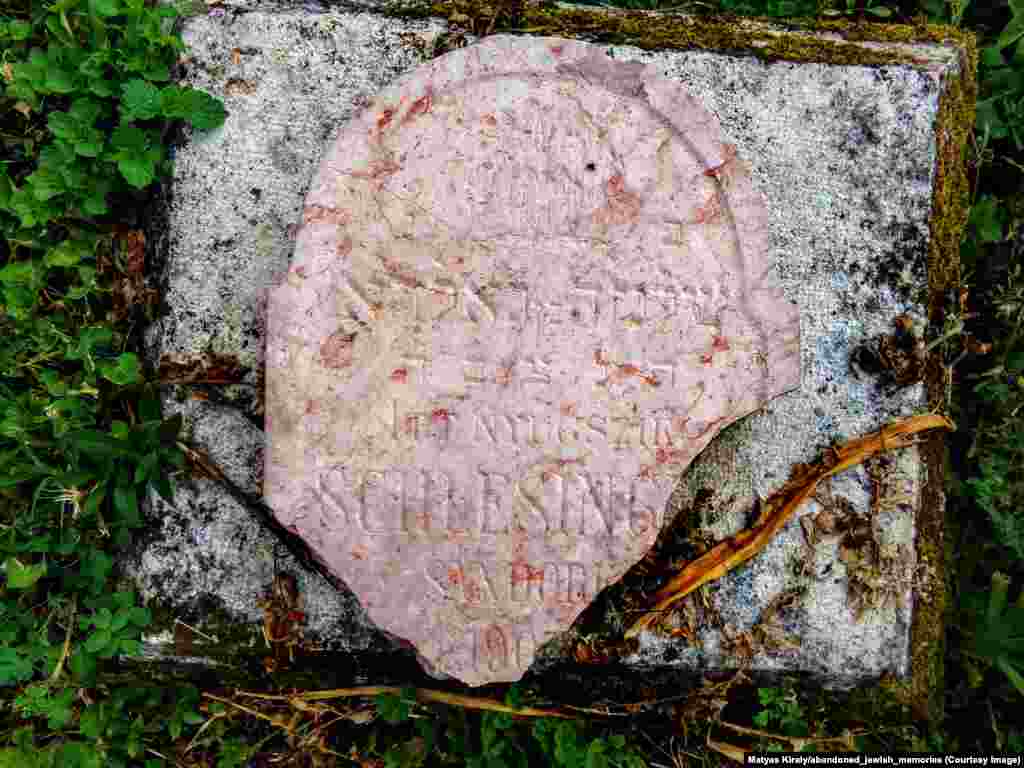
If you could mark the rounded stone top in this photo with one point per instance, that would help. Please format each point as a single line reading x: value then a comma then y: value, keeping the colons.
x: 529, y: 287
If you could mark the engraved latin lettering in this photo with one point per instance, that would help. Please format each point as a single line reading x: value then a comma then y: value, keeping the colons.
x: 552, y: 490
x: 357, y: 293
x: 437, y: 574
x: 576, y: 582
x: 484, y: 426
x: 374, y: 490
x: 493, y: 492
x: 535, y: 375
x: 415, y: 513
x: 598, y: 498
x: 483, y: 580
x: 464, y: 513
x: 660, y: 304
x: 550, y: 583
x: 334, y: 492
x: 475, y: 307
x: 583, y: 300
x: 642, y: 517
x: 532, y: 506
x: 494, y: 503
x: 663, y: 433
x: 476, y: 582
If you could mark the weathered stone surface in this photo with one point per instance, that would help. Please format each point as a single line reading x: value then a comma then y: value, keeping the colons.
x: 847, y: 156
x: 530, y: 286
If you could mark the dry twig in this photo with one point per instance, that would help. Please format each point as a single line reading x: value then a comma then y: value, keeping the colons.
x: 780, y: 507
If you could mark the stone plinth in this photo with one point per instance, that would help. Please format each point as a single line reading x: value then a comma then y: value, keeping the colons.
x: 850, y: 156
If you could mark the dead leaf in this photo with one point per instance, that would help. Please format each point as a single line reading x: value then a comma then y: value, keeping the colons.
x: 201, y: 464
x: 781, y: 507
x: 25, y: 109
x: 236, y: 56
x: 209, y: 368
x: 238, y: 87
x: 730, y: 751
x: 130, y: 289
x: 8, y: 72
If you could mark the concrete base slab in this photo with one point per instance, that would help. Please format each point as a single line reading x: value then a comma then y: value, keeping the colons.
x: 847, y: 156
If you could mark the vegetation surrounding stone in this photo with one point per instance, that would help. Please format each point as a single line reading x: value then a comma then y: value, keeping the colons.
x: 87, y: 106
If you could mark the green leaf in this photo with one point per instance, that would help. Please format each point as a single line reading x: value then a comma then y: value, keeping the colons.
x: 101, y: 87
x: 126, y: 504
x: 992, y: 56
x: 59, y: 81
x: 126, y: 370
x: 62, y: 125
x: 83, y: 667
x: 106, y: 7
x: 14, y: 668
x: 20, y: 576
x: 987, y: 218
x: 18, y: 272
x: 140, y: 170
x: 91, y: 723
x: 6, y: 188
x: 45, y: 184
x: 66, y: 254
x: 200, y: 109
x: 140, y: 100
x: 146, y: 468
x: 96, y: 203
x: 120, y: 621
x: 97, y: 444
x: 98, y: 640
x: 19, y: 30
x: 128, y: 138
x: 89, y: 147
x: 86, y: 111
x: 156, y: 71
x: 1012, y: 674
x: 1012, y: 32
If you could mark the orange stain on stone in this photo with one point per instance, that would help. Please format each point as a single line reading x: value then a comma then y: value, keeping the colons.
x: 317, y: 213
x: 710, y: 210
x: 419, y: 107
x: 623, y: 206
x: 384, y: 118
x: 345, y: 246
x: 721, y: 170
x: 377, y: 169
x: 360, y: 552
x: 336, y: 350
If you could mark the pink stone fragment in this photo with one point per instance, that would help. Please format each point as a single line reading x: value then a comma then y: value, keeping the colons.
x: 529, y: 287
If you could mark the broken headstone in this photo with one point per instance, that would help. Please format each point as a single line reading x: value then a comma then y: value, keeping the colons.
x: 529, y: 288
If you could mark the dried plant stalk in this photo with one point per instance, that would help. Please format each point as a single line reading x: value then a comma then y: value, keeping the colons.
x: 780, y: 507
